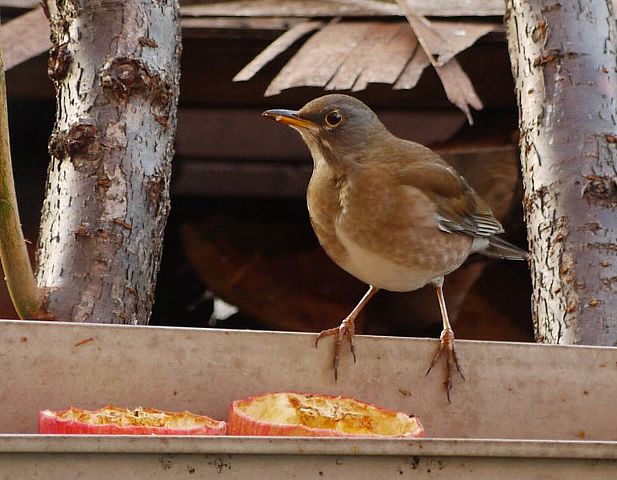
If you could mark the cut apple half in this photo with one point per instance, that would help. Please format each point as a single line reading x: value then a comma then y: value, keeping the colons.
x: 298, y: 414
x: 112, y: 420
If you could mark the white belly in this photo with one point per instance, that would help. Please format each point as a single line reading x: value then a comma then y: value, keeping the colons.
x: 380, y: 272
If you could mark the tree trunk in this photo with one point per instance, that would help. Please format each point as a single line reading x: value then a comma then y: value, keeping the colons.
x: 564, y: 62
x: 115, y: 65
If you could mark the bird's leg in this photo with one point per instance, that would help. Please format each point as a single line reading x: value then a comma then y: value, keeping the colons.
x: 446, y: 342
x: 346, y: 329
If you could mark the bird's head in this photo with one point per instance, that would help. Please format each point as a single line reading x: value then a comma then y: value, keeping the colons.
x: 336, y: 127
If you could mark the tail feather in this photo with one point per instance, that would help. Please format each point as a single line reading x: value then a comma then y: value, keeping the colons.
x: 498, y: 248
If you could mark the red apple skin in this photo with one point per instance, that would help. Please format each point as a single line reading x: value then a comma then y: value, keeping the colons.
x: 49, y: 422
x: 238, y: 423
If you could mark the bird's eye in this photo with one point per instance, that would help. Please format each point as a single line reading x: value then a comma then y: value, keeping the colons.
x: 333, y: 119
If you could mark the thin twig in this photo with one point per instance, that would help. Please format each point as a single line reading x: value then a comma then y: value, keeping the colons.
x: 25, y: 294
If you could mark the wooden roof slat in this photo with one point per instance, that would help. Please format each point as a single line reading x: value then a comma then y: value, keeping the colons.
x: 458, y: 36
x: 202, y: 27
x: 345, y: 8
x: 459, y: 88
x: 442, y: 40
x: 24, y: 37
x: 19, y: 3
x: 413, y: 71
x: 284, y: 8
x: 280, y: 45
x: 398, y: 50
x: 353, y: 66
x: 319, y: 59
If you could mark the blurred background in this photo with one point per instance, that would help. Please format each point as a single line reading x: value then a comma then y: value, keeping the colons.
x: 239, y: 250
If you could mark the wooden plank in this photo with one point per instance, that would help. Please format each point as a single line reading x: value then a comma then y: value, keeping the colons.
x: 459, y: 88
x: 389, y: 59
x: 286, y: 8
x: 280, y: 45
x: 458, y: 36
x: 24, y: 37
x: 320, y: 57
x: 19, y: 3
x: 204, y: 27
x: 413, y: 71
x: 242, y: 134
x: 323, y: 8
x: 353, y: 66
x: 241, y: 179
x: 442, y: 40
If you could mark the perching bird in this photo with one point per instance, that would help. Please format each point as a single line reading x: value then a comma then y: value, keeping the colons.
x: 389, y: 211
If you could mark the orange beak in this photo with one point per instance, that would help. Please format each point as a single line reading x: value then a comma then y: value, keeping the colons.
x: 289, y: 117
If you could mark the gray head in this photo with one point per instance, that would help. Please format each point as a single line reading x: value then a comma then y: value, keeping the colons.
x: 337, y: 126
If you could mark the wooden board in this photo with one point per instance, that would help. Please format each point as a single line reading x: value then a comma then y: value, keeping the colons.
x: 323, y: 8
x: 24, y: 37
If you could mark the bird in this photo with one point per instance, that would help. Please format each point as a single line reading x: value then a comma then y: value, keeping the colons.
x: 389, y: 211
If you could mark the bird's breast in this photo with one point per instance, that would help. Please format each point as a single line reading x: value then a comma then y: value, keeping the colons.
x: 381, y: 233
x: 375, y: 268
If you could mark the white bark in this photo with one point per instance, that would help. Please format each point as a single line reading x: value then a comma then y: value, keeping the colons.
x: 564, y: 63
x: 115, y: 64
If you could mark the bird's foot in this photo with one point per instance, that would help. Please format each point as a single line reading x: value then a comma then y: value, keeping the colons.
x: 345, y: 329
x: 447, y: 344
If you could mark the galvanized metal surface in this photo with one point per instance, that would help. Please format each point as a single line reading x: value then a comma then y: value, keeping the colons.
x: 304, y: 467
x: 452, y: 447
x: 513, y: 391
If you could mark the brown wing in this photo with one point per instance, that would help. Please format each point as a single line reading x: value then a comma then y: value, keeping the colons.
x: 459, y: 208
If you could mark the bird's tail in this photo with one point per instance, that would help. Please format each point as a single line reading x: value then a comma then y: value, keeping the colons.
x: 498, y: 248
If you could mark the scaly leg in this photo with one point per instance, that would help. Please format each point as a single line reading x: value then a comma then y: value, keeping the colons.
x: 446, y: 342
x: 346, y: 329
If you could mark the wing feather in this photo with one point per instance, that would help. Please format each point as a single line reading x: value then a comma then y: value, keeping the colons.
x: 459, y: 208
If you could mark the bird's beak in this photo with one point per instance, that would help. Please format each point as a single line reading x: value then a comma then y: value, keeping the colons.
x: 289, y: 117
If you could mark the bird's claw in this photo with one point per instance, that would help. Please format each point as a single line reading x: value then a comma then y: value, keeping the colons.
x: 345, y: 329
x: 446, y: 342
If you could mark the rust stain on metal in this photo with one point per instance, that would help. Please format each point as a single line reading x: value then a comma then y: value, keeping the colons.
x: 594, y: 302
x: 83, y: 342
x: 166, y: 463
x: 611, y: 138
x: 220, y: 464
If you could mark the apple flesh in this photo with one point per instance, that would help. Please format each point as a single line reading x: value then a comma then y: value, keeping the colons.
x: 297, y: 414
x: 112, y: 420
